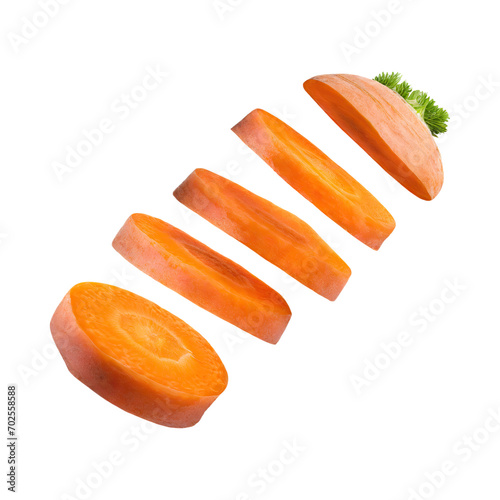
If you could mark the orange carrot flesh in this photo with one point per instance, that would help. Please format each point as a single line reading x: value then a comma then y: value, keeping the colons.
x: 136, y: 355
x: 203, y: 276
x: 385, y: 126
x: 276, y: 234
x: 309, y: 171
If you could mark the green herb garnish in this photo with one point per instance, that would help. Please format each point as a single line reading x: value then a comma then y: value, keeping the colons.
x: 435, y: 118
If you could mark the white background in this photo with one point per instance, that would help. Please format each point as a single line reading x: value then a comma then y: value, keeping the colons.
x: 222, y: 63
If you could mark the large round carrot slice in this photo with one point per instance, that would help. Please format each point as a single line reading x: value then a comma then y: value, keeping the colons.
x: 316, y: 177
x: 277, y: 235
x: 385, y: 126
x: 203, y: 276
x: 136, y: 355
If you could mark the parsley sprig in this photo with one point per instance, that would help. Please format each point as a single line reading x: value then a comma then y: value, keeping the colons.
x: 435, y: 118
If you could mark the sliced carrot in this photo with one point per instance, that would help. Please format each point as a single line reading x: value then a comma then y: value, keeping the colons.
x: 136, y: 355
x: 203, y: 276
x: 385, y: 126
x: 316, y: 177
x: 277, y: 235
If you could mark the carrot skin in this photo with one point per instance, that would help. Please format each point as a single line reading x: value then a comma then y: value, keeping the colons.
x: 275, y: 234
x: 114, y: 381
x: 316, y: 177
x: 203, y: 276
x: 385, y: 126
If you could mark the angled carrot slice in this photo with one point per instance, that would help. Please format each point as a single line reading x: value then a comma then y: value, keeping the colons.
x: 136, y: 355
x: 316, y: 177
x: 203, y: 276
x: 385, y: 126
x: 277, y: 235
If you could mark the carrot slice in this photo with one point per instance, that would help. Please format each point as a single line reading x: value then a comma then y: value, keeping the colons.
x: 385, y: 126
x: 275, y: 234
x: 203, y: 276
x: 136, y: 355
x: 316, y: 177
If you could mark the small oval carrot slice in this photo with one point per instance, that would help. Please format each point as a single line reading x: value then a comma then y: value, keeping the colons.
x: 203, y: 276
x: 275, y: 234
x: 316, y: 177
x: 385, y: 126
x: 136, y: 355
